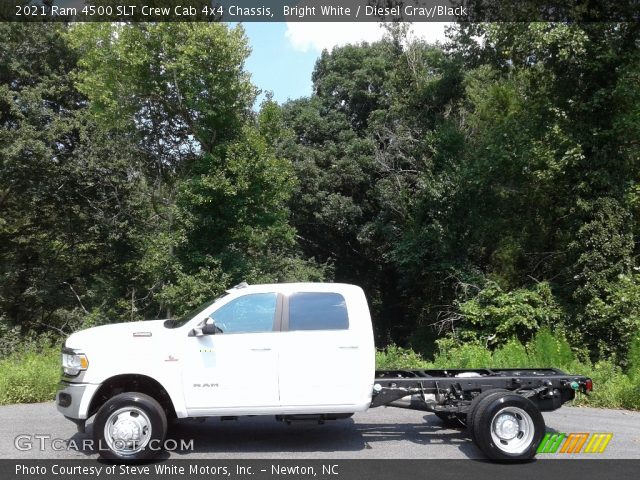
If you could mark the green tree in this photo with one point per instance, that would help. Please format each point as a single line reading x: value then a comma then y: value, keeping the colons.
x: 217, y: 189
x: 362, y: 150
x: 67, y: 201
x: 552, y: 160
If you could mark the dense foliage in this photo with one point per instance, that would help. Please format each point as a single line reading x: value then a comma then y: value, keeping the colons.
x: 479, y: 191
x: 487, y: 189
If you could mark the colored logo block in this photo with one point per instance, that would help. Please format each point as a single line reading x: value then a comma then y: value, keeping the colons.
x: 574, y: 442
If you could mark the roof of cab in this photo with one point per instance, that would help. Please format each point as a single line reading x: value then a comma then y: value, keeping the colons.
x: 294, y: 287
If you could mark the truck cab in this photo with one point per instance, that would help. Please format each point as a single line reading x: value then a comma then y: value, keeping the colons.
x: 278, y: 349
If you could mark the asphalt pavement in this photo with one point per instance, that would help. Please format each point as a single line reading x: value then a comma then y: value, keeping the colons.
x: 38, y: 431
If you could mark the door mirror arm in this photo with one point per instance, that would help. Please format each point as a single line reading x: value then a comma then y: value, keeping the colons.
x: 196, y: 332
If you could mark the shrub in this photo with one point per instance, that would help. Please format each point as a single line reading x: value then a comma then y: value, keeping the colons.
x: 634, y: 359
x: 30, y: 376
x: 611, y: 385
x: 470, y: 355
x: 495, y: 315
x: 611, y: 321
x: 510, y: 354
x: 394, y: 357
x: 550, y: 350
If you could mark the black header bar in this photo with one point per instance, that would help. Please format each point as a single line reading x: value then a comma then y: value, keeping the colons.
x: 319, y: 10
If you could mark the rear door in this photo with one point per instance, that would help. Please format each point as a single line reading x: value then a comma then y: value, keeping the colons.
x: 320, y: 353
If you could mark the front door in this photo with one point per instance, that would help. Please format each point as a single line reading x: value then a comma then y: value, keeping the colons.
x: 237, y: 367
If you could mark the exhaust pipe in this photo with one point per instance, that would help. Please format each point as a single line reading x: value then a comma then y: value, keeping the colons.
x: 415, y: 402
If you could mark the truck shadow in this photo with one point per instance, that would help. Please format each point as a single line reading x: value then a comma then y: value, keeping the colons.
x: 255, y: 437
x: 345, y: 438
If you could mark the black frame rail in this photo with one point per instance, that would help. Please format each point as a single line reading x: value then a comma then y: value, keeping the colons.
x: 454, y: 389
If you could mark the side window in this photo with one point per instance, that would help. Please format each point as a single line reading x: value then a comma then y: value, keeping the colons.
x: 251, y: 313
x: 318, y: 311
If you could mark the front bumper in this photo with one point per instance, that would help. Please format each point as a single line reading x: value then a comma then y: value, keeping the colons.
x: 73, y: 399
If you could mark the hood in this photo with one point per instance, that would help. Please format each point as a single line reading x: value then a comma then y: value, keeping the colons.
x: 116, y: 332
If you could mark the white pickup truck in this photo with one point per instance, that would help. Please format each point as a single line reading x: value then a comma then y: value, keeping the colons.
x: 295, y: 351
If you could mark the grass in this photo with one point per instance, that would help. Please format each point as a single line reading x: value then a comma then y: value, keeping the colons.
x: 30, y: 376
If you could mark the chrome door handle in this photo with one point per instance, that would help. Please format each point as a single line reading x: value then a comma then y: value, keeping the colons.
x: 348, y: 347
x: 260, y: 349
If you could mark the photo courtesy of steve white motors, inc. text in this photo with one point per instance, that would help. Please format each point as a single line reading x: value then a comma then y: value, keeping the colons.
x: 191, y: 468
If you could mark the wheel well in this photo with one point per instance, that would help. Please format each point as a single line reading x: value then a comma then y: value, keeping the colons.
x: 132, y: 383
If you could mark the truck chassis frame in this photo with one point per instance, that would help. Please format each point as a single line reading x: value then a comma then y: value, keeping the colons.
x: 452, y: 391
x: 499, y: 407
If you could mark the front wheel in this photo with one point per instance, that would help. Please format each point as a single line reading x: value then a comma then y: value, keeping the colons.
x: 508, y: 427
x: 130, y: 426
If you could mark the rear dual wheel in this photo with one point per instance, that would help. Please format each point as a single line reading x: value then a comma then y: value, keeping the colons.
x: 506, y: 426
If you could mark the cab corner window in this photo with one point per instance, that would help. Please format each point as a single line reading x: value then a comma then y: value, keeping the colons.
x: 252, y: 313
x: 317, y: 311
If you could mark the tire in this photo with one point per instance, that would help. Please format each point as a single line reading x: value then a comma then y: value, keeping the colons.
x: 452, y: 420
x: 130, y: 426
x: 474, y: 406
x: 507, y: 426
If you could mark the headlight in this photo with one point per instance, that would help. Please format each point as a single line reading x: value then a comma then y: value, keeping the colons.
x: 73, y: 363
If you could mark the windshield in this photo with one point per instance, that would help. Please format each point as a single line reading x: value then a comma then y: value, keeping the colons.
x: 175, y: 323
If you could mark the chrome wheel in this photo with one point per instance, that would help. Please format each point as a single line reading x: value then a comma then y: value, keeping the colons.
x: 127, y: 431
x: 512, y: 430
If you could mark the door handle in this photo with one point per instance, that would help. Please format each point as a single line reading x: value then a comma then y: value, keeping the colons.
x: 348, y: 347
x: 266, y: 349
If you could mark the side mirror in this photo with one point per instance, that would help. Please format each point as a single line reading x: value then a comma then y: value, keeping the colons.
x: 209, y: 328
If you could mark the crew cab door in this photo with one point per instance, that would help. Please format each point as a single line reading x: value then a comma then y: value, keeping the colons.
x: 237, y: 367
x: 324, y: 360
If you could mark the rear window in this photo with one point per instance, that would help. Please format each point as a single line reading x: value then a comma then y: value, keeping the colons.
x: 318, y: 311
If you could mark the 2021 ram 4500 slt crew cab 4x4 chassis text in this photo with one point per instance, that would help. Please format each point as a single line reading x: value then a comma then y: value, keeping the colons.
x: 297, y: 350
